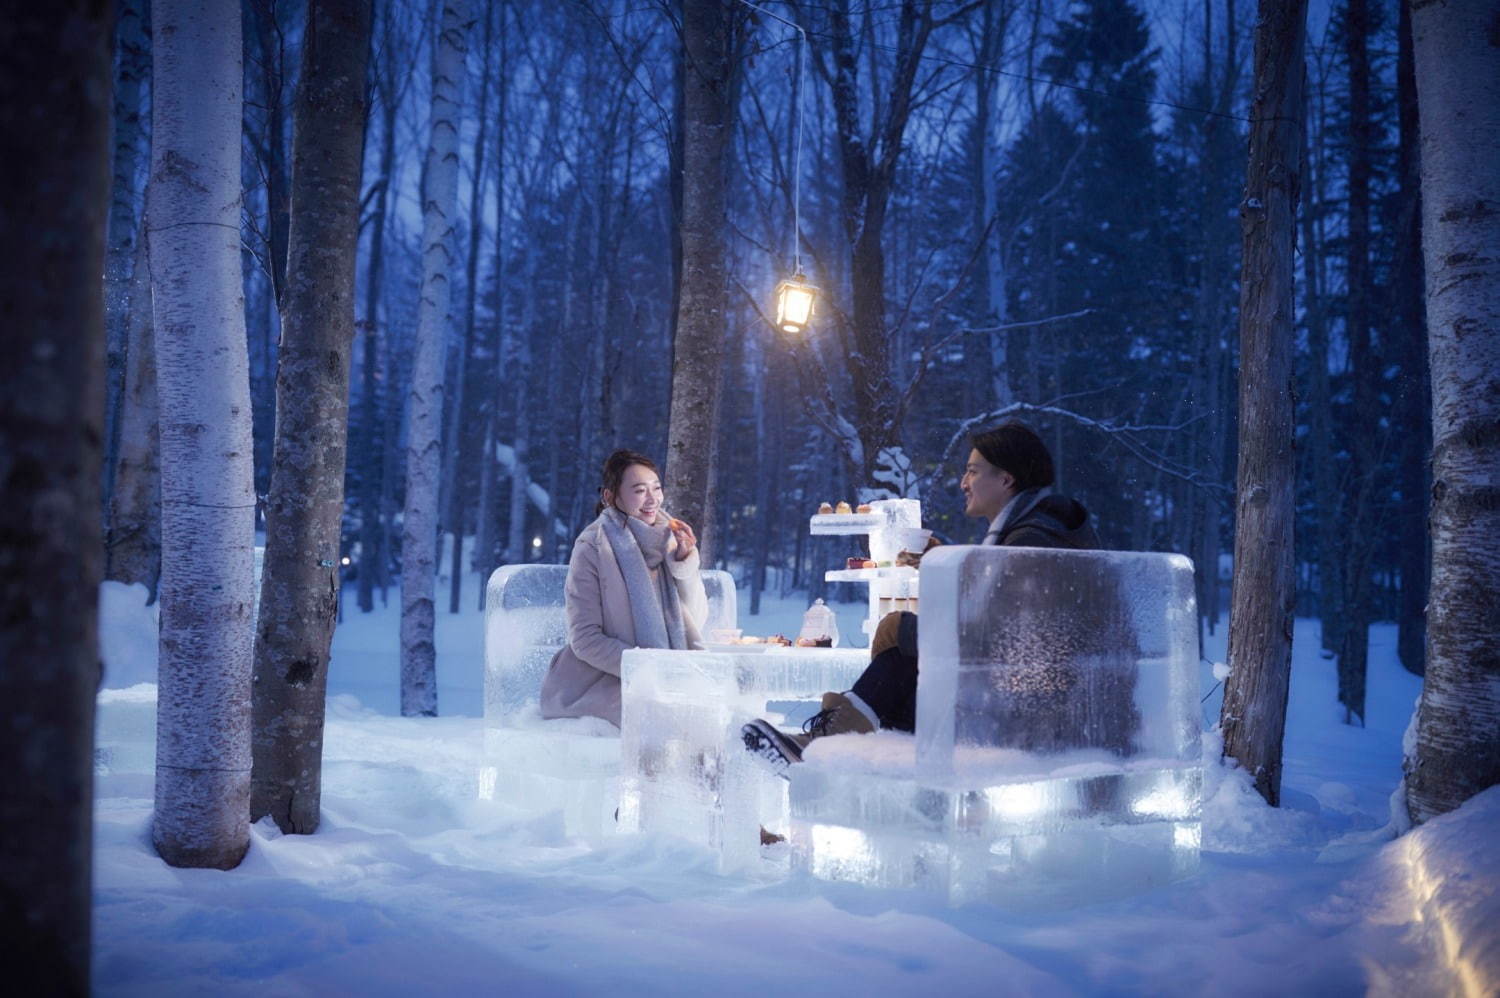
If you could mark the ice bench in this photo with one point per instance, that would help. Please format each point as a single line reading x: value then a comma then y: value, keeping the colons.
x: 570, y: 764
x: 1057, y: 754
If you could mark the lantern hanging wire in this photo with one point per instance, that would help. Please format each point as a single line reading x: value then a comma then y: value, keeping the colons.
x: 801, y: 73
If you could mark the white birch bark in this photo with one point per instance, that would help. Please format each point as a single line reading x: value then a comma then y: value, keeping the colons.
x: 1458, y: 92
x: 208, y: 499
x: 425, y: 396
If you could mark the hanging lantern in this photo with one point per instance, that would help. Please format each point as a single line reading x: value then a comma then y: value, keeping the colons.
x: 794, y: 304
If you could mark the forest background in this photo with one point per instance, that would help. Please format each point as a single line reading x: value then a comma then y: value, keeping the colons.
x: 1048, y: 193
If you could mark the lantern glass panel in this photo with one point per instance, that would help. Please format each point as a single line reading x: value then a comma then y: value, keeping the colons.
x: 794, y: 307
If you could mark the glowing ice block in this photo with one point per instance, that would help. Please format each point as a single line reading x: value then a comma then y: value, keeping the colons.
x: 1049, y: 652
x: 1056, y: 758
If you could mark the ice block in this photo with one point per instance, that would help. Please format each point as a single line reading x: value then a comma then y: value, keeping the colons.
x: 525, y: 623
x: 540, y: 766
x: 1051, y: 653
x: 684, y: 769
x: 1056, y: 757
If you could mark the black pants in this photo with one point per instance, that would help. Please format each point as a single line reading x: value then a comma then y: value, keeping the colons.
x: 889, y: 686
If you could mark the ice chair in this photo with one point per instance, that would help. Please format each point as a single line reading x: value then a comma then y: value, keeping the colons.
x: 1056, y: 757
x: 541, y: 765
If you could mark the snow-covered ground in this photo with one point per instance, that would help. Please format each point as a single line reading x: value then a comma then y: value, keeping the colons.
x: 414, y: 886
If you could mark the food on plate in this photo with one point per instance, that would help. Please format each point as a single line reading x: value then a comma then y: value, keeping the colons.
x: 825, y: 508
x: 855, y: 562
x: 842, y: 507
x: 869, y: 563
x: 863, y: 507
x: 779, y: 639
x: 824, y: 642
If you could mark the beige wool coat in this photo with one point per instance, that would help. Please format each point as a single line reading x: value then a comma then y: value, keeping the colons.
x: 584, y: 677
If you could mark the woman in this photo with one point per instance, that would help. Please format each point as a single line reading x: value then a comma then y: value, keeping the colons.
x: 633, y: 582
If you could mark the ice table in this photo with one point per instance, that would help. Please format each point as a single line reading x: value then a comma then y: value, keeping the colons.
x: 573, y: 764
x: 684, y: 768
x: 1057, y: 755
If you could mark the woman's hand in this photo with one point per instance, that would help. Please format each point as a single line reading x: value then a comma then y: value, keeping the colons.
x: 683, y: 533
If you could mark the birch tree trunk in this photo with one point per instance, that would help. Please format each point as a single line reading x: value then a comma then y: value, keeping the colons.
x: 55, y: 118
x: 300, y: 582
x: 1458, y: 92
x: 133, y: 548
x: 1260, y: 616
x: 208, y: 497
x: 697, y: 358
x: 425, y: 398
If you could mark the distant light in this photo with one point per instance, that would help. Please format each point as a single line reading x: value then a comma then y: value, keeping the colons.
x: 536, y: 543
x: 344, y: 560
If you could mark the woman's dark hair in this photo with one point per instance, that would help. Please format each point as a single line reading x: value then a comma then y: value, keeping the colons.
x: 614, y: 473
x: 1015, y: 448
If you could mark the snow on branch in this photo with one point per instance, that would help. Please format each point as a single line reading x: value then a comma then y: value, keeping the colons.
x: 1024, y: 324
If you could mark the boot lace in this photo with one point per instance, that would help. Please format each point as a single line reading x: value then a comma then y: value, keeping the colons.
x: 818, y: 724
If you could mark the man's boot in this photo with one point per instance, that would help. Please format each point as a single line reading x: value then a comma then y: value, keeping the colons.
x: 779, y: 750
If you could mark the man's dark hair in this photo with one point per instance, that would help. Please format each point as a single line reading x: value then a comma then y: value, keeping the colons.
x: 1015, y: 448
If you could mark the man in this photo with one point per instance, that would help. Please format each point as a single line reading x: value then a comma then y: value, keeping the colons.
x: 1007, y: 482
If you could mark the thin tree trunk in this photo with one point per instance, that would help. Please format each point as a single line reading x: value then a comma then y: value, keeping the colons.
x: 1458, y: 86
x: 1253, y: 716
x: 454, y: 452
x: 697, y: 354
x: 488, y: 529
x: 993, y: 295
x: 304, y: 510
x: 1413, y: 402
x: 208, y: 496
x: 373, y: 552
x: 552, y: 513
x: 1326, y: 497
x: 132, y: 69
x: 1359, y: 497
x: 419, y: 525
x: 133, y: 548
x: 56, y: 119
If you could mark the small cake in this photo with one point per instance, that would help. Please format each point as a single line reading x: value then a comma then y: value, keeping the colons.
x: 842, y: 507
x: 807, y: 642
x: 825, y: 508
x: 870, y: 564
x: 779, y: 639
x: 855, y: 562
x: 864, y: 507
